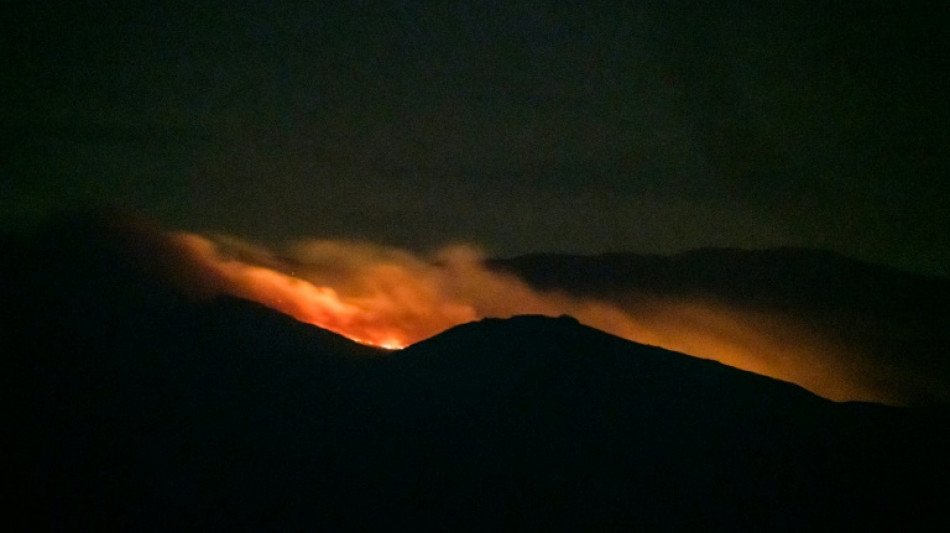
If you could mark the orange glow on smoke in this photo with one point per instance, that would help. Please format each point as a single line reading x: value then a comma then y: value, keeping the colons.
x: 299, y: 298
x: 382, y: 296
x: 391, y: 298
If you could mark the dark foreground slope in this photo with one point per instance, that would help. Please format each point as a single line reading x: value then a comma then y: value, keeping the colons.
x: 589, y: 430
x: 128, y: 407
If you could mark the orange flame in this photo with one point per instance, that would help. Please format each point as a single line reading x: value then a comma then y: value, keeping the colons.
x: 391, y: 298
x: 383, y: 296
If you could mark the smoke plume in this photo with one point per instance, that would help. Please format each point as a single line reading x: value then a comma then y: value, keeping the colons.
x: 389, y: 297
x: 380, y: 295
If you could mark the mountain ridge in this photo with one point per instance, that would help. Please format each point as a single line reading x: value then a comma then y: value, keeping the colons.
x: 130, y: 406
x: 885, y: 331
x: 719, y: 266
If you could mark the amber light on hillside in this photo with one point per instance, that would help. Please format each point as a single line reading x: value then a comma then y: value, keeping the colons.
x: 391, y: 298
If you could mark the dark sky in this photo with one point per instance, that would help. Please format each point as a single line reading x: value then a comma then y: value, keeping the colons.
x: 651, y: 126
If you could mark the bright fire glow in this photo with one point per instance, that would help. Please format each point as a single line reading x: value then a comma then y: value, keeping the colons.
x: 382, y: 296
x: 391, y: 298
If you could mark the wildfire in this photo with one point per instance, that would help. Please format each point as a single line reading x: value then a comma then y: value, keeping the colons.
x: 319, y: 305
x: 381, y: 296
x: 390, y: 299
x: 386, y: 345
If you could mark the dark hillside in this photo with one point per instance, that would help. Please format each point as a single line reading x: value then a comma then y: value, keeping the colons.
x: 130, y: 407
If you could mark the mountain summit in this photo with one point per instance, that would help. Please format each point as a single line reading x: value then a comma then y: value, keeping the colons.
x: 875, y: 333
x: 130, y: 407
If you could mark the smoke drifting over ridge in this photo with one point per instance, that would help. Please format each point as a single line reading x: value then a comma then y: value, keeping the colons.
x: 392, y: 298
x: 380, y: 295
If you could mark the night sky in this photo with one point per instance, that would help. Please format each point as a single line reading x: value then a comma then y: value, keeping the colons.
x: 582, y: 127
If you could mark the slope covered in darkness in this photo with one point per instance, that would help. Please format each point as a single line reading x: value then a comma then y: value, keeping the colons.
x: 128, y: 406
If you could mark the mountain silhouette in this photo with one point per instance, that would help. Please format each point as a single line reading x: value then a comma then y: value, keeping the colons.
x: 129, y: 406
x: 882, y: 333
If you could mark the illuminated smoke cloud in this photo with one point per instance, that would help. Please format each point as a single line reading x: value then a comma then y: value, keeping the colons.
x: 380, y: 295
x: 391, y: 298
